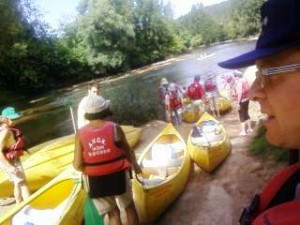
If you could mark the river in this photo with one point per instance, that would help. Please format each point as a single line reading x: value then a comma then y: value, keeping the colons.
x: 133, y: 95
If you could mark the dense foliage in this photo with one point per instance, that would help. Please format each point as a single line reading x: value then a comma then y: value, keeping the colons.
x: 109, y: 36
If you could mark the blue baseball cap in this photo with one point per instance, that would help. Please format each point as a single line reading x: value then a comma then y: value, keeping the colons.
x: 10, y: 112
x: 280, y: 20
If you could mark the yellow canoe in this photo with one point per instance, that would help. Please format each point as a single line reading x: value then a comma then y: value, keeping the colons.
x: 189, y: 115
x: 208, y: 143
x: 51, y: 158
x: 166, y: 165
x: 224, y: 104
x: 61, y: 201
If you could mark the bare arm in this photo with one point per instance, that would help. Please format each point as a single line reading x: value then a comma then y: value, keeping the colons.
x: 78, y: 157
x: 3, y: 138
x: 129, y: 153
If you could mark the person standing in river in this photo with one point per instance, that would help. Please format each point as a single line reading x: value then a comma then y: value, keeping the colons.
x: 93, y: 89
x: 276, y: 88
x: 104, y: 156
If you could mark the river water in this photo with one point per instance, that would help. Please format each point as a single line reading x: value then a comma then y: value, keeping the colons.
x: 133, y: 95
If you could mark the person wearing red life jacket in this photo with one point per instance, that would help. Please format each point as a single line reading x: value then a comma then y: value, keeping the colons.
x: 174, y: 103
x: 276, y: 88
x: 93, y: 89
x: 163, y: 113
x: 212, y: 95
x: 240, y: 94
x: 105, y: 158
x: 10, y: 162
x: 196, y: 94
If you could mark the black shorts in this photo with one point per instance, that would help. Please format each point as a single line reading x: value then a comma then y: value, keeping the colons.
x: 243, y: 111
x: 107, y: 185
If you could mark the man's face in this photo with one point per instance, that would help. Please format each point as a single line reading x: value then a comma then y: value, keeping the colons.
x: 279, y: 99
x: 93, y: 91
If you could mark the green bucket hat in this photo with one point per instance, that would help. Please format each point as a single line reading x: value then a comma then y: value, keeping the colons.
x: 10, y: 113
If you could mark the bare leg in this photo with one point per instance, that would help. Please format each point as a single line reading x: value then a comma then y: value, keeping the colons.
x: 17, y: 193
x: 132, y: 217
x: 249, y: 128
x: 114, y: 217
x: 243, y: 129
x: 24, y: 190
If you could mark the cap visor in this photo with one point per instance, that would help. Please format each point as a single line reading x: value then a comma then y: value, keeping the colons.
x: 13, y: 116
x: 249, y: 58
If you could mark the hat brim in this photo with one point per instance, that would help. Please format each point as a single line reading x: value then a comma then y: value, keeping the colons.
x: 104, y: 107
x: 249, y: 58
x: 13, y: 116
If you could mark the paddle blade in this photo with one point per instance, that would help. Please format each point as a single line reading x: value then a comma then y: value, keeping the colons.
x: 91, y: 215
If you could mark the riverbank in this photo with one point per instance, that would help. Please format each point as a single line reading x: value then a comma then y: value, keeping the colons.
x: 221, y: 195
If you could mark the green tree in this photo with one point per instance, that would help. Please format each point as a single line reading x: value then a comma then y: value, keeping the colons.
x: 106, y: 33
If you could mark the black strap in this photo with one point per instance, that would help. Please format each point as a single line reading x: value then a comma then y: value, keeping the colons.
x: 105, y: 162
x: 293, y: 156
x: 249, y: 212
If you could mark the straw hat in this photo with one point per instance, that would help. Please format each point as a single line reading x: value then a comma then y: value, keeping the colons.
x: 164, y: 81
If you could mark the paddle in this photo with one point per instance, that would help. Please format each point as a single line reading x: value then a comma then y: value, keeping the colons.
x: 70, y: 102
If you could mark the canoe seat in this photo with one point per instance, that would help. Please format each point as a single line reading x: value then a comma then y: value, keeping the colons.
x: 32, y: 216
x: 209, y: 134
x: 162, y: 164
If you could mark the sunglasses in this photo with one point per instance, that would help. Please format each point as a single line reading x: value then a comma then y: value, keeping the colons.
x: 263, y: 76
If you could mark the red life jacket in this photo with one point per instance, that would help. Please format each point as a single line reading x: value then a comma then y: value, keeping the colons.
x: 175, y: 102
x: 195, y: 91
x: 101, y: 155
x: 162, y: 91
x: 209, y: 85
x: 245, y: 89
x: 17, y: 149
x: 274, y: 206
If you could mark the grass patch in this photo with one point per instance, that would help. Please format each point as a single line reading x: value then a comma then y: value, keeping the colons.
x: 260, y: 147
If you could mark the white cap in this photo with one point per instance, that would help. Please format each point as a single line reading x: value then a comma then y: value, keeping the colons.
x: 164, y: 81
x: 237, y: 73
x: 96, y: 104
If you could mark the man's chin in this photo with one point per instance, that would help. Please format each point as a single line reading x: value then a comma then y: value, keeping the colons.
x: 273, y: 139
x: 280, y: 141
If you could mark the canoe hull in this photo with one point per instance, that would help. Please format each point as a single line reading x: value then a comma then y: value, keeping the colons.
x: 49, y: 159
x: 209, y: 157
x: 61, y: 200
x: 152, y: 201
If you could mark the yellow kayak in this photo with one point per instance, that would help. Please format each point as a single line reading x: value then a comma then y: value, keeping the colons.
x: 61, y: 201
x: 166, y: 165
x: 224, y: 104
x: 51, y: 158
x: 208, y: 143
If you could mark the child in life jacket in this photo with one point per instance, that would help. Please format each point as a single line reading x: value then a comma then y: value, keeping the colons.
x: 212, y: 95
x: 10, y: 162
x: 104, y: 156
x: 174, y: 103
x: 196, y: 94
